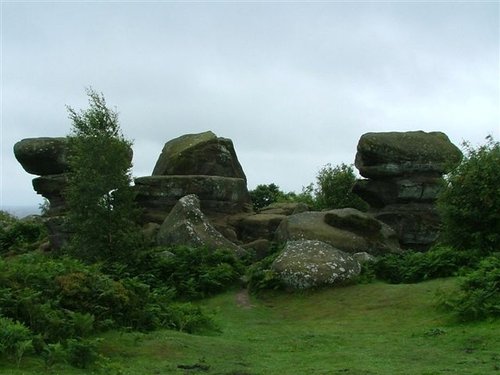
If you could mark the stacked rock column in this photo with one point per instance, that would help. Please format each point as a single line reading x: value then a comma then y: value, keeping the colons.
x: 404, y: 174
x: 47, y: 158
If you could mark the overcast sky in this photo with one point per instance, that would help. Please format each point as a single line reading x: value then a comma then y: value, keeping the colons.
x: 293, y: 84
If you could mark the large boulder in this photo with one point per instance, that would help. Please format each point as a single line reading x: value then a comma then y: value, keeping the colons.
x: 199, y: 154
x: 405, y: 153
x: 187, y: 225
x: 43, y: 156
x: 346, y: 229
x: 305, y: 264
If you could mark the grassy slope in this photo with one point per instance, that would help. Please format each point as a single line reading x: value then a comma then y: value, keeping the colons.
x: 362, y: 329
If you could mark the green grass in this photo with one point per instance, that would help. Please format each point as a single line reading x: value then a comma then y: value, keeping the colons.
x: 361, y: 329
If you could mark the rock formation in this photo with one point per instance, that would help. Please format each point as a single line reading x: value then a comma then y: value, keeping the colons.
x: 346, y: 229
x: 201, y: 164
x: 187, y: 225
x: 404, y: 176
x: 47, y: 157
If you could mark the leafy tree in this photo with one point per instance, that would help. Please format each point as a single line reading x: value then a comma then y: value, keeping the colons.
x: 100, y: 201
x: 470, y: 202
x: 263, y: 195
x: 334, y: 188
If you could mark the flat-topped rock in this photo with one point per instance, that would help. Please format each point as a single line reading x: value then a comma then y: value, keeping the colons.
x: 390, y: 154
x: 199, y: 154
x: 42, y: 156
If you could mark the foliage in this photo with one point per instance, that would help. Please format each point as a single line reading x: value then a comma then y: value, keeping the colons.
x: 478, y: 297
x: 413, y: 267
x: 15, y: 337
x: 470, y: 202
x: 334, y: 188
x: 19, y: 236
x: 263, y: 195
x: 100, y: 201
x: 188, y: 272
x: 261, y: 277
x: 64, y: 298
x: 82, y: 353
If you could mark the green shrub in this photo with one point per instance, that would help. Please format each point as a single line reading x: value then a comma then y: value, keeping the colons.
x: 470, y: 202
x: 82, y: 353
x: 334, y: 188
x: 261, y: 277
x: 62, y: 298
x: 186, y: 317
x: 189, y: 272
x: 14, y: 337
x: 413, y: 267
x: 20, y: 236
x: 263, y: 195
x: 478, y: 297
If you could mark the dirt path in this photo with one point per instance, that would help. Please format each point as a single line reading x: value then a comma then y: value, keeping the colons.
x: 243, y: 299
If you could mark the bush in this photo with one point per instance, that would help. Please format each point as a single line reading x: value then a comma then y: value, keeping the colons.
x: 192, y: 273
x: 264, y: 195
x: 20, y: 236
x: 14, y: 337
x: 261, y: 277
x: 478, y: 297
x: 470, y: 202
x: 334, y: 188
x: 63, y: 298
x: 413, y: 267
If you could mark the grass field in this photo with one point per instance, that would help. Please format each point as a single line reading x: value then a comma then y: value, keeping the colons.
x: 362, y: 329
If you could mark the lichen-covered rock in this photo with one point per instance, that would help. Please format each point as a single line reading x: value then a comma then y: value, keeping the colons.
x: 199, y: 154
x: 187, y: 225
x: 405, y: 153
x: 43, y: 156
x: 349, y: 230
x: 306, y: 264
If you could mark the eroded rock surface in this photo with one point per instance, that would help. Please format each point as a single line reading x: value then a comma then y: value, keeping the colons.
x: 404, y: 177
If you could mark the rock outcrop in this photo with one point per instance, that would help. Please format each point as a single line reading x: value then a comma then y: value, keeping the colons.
x: 201, y: 164
x: 47, y: 158
x: 404, y: 176
x: 346, y: 229
x: 306, y: 264
x: 187, y: 225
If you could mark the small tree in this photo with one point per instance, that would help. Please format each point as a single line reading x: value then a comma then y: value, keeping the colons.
x: 101, y: 209
x: 470, y: 202
x: 263, y: 195
x: 334, y: 188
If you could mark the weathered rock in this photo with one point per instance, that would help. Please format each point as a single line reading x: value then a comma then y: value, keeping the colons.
x: 260, y: 248
x: 308, y: 264
x: 257, y: 226
x: 187, y: 225
x: 42, y: 156
x: 284, y: 208
x: 52, y: 187
x: 199, y: 154
x: 405, y: 153
x: 349, y: 230
x: 417, y: 225
x: 158, y: 194
x: 379, y: 193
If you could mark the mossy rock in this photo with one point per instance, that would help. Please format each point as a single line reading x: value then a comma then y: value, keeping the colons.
x: 405, y: 153
x: 43, y: 156
x: 199, y: 154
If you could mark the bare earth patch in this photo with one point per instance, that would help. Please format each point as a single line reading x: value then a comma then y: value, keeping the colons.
x: 243, y: 299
